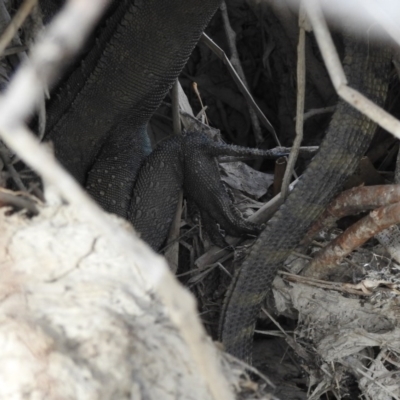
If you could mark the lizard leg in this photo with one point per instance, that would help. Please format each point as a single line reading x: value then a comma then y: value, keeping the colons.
x: 111, y: 177
x: 156, y: 192
x: 188, y: 161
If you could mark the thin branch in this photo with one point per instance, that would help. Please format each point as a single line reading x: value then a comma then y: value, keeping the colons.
x: 279, y: 173
x: 352, y: 202
x: 318, y: 111
x: 336, y: 72
x: 16, y: 23
x: 356, y: 289
x: 222, y: 56
x: 172, y: 252
x: 9, y: 198
x: 325, y: 43
x: 13, y: 50
x: 11, y: 170
x: 202, y: 114
x: 301, y: 89
x: 231, y: 37
x: 325, y: 261
x: 175, y: 109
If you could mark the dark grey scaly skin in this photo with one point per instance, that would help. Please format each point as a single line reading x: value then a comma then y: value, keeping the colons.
x: 187, y: 161
x: 97, y: 120
x: 347, y: 139
x: 203, y: 184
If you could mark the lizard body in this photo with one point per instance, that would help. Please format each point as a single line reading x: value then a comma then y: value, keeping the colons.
x: 97, y: 120
x: 98, y: 123
x: 347, y: 139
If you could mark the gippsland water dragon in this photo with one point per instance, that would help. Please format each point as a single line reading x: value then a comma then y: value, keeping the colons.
x: 97, y: 121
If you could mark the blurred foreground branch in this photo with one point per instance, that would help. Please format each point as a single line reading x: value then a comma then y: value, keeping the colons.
x: 61, y: 40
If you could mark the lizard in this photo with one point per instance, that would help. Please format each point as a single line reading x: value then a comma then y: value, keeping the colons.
x: 348, y: 137
x: 346, y: 140
x: 97, y: 121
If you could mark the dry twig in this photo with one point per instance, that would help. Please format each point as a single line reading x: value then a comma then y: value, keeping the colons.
x: 354, y: 201
x: 235, y: 60
x: 301, y: 88
x: 325, y: 261
x: 222, y: 56
x: 16, y: 23
x: 335, y: 69
x: 172, y: 252
x: 19, y: 201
